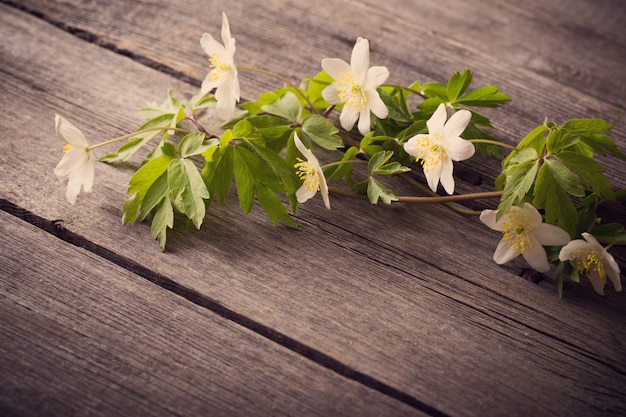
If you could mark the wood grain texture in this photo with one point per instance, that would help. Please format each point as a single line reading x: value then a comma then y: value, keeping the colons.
x: 407, y: 305
x: 81, y: 336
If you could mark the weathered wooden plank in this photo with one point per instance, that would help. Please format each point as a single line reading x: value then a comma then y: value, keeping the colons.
x: 380, y: 307
x: 82, y: 336
x: 425, y: 42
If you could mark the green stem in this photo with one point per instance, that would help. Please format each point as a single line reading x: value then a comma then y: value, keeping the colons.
x: 422, y: 200
x: 348, y: 161
x: 281, y: 78
x: 139, y: 132
x: 419, y: 93
x: 493, y: 142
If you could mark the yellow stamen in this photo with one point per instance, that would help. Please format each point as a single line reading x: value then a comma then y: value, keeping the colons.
x: 307, y: 172
x: 351, y: 94
x: 66, y: 148
x: 517, y: 231
x: 590, y: 262
x: 220, y: 65
x: 429, y: 151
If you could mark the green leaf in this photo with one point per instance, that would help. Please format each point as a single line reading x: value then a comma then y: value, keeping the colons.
x: 435, y: 90
x: 396, y: 104
x: 610, y: 233
x: 590, y: 132
x: 244, y: 181
x: 489, y: 96
x: 322, y: 131
x: 194, y: 144
x: 125, y: 151
x: 316, y: 85
x: 343, y: 171
x: 457, y: 84
x: 243, y: 129
x: 288, y: 107
x: 558, y: 140
x: 587, y: 169
x: 565, y: 178
x: 279, y: 166
x: 550, y: 195
x: 520, y: 175
x: 218, y: 172
x: 273, y: 206
x: 157, y: 191
x: 376, y: 191
x: 378, y: 159
x: 148, y: 174
x: 163, y: 219
x: 133, y: 145
x: 187, y: 189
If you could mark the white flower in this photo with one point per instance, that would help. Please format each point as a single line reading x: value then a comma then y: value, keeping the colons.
x: 311, y: 173
x: 223, y: 76
x: 592, y: 259
x: 524, y: 233
x: 355, y: 87
x: 78, y: 162
x: 441, y: 146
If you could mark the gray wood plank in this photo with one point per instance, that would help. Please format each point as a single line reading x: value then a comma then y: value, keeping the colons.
x: 82, y: 336
x: 420, y: 313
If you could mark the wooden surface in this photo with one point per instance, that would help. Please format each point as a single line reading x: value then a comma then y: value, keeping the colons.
x: 243, y: 318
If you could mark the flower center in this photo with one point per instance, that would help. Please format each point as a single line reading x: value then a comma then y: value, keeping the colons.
x: 221, y: 66
x: 308, y: 173
x: 590, y: 262
x: 67, y: 148
x: 350, y: 93
x: 517, y: 232
x: 430, y: 151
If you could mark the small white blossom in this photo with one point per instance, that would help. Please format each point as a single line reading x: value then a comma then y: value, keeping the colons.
x: 312, y: 174
x: 223, y: 76
x: 442, y: 145
x: 524, y: 233
x: 591, y: 259
x: 355, y: 87
x: 77, y: 163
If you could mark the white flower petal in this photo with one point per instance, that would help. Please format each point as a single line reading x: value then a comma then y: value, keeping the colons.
x: 303, y: 194
x: 488, y: 217
x: 226, y: 37
x: 331, y: 94
x: 459, y: 149
x: 72, y: 160
x: 69, y: 133
x: 360, y: 59
x: 533, y: 215
x: 597, y: 283
x: 457, y: 123
x: 550, y: 235
x: 447, y: 179
x: 335, y: 66
x: 364, y: 122
x: 375, y: 77
x: 377, y: 106
x: 569, y: 251
x: 436, y: 122
x: 348, y: 117
x: 503, y: 254
x: 324, y: 189
x: 211, y: 46
x: 209, y: 83
x: 433, y: 176
x: 536, y: 257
